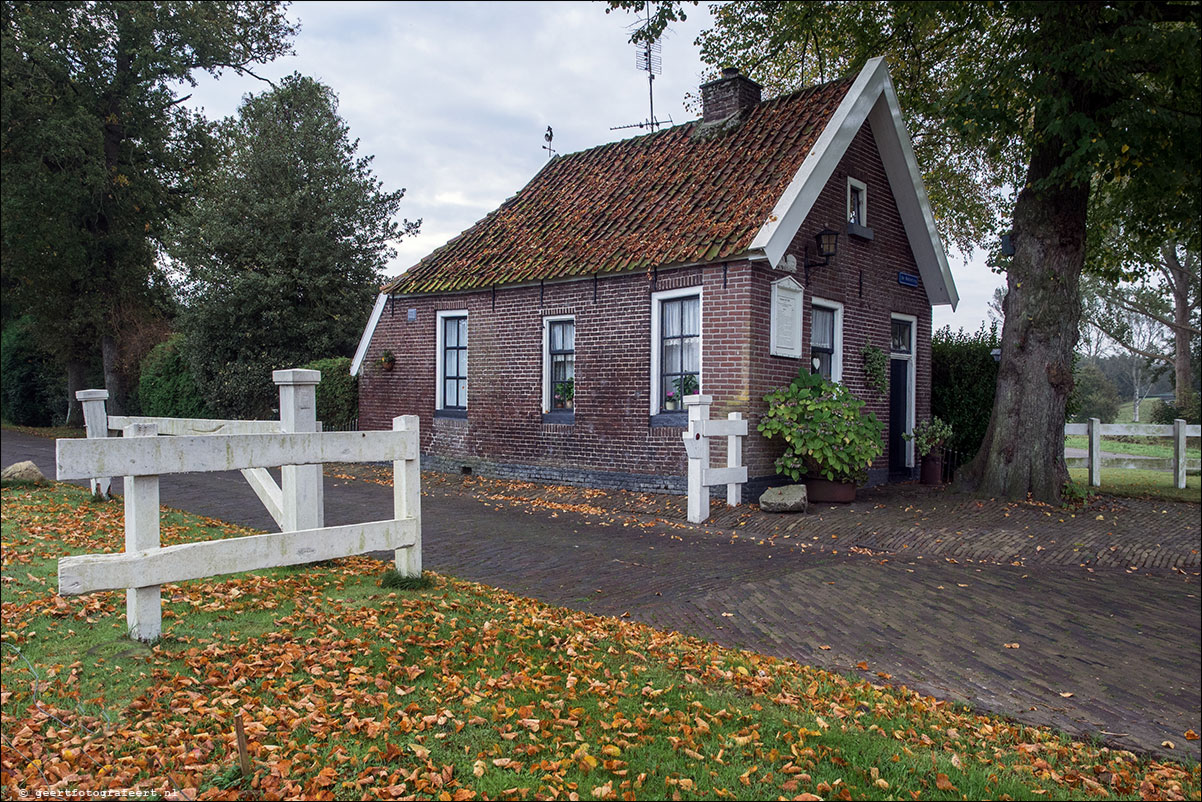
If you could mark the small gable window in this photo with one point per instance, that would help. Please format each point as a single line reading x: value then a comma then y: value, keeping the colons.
x: 857, y: 203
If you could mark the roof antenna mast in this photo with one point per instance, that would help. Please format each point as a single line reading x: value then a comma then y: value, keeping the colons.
x: 647, y: 57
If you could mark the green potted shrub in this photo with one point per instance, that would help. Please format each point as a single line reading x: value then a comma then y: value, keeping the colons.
x: 829, y: 440
x: 930, y: 436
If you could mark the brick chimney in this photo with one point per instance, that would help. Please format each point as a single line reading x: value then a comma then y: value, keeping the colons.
x: 729, y: 94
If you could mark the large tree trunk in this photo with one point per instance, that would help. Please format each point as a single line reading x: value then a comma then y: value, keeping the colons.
x: 1023, y: 451
x: 112, y: 375
x: 1179, y: 283
x: 75, y: 382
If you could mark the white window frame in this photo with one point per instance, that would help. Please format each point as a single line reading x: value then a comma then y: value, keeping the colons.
x: 837, y: 348
x: 547, y: 321
x: 786, y: 285
x: 911, y: 401
x: 657, y: 299
x: 860, y: 185
x: 439, y: 356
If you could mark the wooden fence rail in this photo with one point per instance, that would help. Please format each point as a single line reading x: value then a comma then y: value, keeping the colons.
x: 141, y: 456
x: 1095, y: 430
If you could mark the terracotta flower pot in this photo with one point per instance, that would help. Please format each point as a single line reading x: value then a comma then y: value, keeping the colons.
x: 824, y: 491
x: 932, y: 469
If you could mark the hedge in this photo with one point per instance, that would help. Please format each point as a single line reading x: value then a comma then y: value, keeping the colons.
x: 166, y: 387
x: 337, y: 394
x: 963, y: 382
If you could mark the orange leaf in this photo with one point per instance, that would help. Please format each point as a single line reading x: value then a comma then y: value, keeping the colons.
x: 943, y: 783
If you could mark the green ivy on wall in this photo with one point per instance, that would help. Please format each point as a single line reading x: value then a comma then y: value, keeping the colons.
x: 875, y: 362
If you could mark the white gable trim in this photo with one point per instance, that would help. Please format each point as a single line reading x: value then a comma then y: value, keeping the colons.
x: 368, y: 331
x: 872, y: 99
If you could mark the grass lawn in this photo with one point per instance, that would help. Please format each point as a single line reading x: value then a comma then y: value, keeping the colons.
x: 1139, y: 446
x: 458, y: 691
x: 1131, y: 483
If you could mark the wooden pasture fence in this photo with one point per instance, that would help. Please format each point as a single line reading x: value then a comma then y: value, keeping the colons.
x: 251, y: 447
x: 1095, y: 430
x: 297, y: 501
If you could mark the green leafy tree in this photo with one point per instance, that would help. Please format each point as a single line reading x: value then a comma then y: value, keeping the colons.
x: 284, y: 248
x: 99, y: 153
x: 1060, y: 100
x: 1096, y: 396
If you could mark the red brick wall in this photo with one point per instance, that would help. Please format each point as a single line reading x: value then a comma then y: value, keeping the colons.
x: 611, y: 431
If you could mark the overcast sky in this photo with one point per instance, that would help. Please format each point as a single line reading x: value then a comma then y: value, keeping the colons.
x: 453, y: 100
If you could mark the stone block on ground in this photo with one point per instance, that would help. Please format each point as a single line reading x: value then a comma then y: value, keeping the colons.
x: 789, y: 498
x: 23, y: 472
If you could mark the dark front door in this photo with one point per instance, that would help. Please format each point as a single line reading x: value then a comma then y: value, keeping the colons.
x: 899, y: 398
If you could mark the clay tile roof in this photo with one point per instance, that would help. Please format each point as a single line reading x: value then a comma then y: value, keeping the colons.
x: 661, y: 199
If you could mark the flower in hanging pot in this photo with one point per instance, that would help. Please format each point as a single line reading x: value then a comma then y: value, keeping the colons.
x: 387, y: 360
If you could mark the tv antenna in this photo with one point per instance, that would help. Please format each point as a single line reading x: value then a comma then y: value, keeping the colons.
x: 648, y: 58
x: 547, y: 147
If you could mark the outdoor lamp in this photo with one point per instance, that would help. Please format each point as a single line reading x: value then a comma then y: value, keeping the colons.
x: 827, y: 242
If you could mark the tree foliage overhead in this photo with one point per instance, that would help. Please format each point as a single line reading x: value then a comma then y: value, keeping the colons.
x: 99, y: 153
x: 1067, y: 101
x: 284, y: 249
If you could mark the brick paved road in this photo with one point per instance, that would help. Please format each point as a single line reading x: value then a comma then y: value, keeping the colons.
x: 925, y: 587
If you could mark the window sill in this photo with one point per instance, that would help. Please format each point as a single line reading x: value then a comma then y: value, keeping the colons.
x: 676, y: 419
x: 859, y: 232
x: 560, y: 416
x: 455, y: 414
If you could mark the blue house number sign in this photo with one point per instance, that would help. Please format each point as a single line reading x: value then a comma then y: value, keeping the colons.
x: 907, y: 279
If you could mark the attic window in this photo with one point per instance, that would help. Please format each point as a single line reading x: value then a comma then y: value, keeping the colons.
x: 857, y: 202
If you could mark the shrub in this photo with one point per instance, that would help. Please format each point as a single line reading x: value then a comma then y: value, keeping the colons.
x: 929, y: 435
x: 33, y: 391
x: 166, y: 387
x: 963, y: 382
x: 825, y: 430
x: 1165, y: 412
x: 1096, y: 396
x: 338, y: 392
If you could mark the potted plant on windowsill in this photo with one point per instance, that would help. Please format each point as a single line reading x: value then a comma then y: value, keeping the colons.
x: 565, y: 394
x: 670, y: 401
x: 930, y: 436
x: 388, y: 360
x: 829, y: 440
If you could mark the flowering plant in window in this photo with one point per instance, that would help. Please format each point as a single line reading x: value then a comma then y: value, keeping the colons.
x: 685, y: 385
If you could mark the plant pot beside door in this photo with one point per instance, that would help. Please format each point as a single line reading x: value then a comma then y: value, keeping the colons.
x: 929, y: 438
x: 931, y: 470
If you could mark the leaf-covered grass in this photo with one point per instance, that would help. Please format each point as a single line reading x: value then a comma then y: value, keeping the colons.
x: 458, y: 691
x: 1131, y: 483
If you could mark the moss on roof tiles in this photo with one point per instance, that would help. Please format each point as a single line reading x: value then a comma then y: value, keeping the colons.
x: 659, y: 199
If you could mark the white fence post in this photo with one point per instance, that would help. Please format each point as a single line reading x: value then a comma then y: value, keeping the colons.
x: 301, y: 485
x: 697, y: 445
x: 407, y: 497
x: 1095, y: 452
x: 734, y: 459
x: 95, y: 418
x: 1179, y: 453
x: 143, y: 605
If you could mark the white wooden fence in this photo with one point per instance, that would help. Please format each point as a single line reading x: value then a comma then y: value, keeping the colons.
x: 697, y: 446
x: 142, y: 458
x: 1095, y: 429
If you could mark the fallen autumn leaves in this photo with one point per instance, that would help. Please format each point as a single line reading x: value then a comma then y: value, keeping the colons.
x: 459, y: 691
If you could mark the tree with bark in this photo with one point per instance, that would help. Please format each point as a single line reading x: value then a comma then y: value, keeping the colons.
x: 99, y: 154
x: 284, y: 247
x: 1058, y: 101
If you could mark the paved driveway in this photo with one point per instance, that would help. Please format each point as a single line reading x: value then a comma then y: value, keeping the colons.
x: 928, y: 588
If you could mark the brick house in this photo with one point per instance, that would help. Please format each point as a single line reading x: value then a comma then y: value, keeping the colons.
x: 553, y: 339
